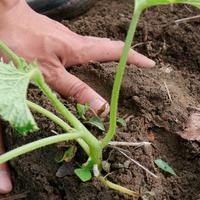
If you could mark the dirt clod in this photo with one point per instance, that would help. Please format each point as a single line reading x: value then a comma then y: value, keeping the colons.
x: 144, y: 97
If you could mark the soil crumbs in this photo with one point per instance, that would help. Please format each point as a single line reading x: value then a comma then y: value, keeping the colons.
x: 156, y: 103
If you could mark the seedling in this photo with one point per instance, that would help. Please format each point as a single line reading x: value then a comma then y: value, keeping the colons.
x: 164, y: 166
x: 95, y: 120
x: 14, y: 107
x: 68, y: 155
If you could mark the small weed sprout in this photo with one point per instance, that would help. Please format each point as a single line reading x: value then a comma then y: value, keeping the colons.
x: 14, y: 107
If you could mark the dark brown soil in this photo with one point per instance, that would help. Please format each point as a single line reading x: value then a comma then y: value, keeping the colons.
x: 152, y: 115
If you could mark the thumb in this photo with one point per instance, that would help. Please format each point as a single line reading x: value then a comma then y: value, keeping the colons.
x: 67, y: 85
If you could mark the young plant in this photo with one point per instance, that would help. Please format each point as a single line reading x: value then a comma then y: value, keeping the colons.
x: 14, y: 107
x: 95, y: 120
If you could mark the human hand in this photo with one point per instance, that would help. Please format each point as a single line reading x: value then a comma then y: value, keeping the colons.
x: 5, y: 181
x: 31, y: 35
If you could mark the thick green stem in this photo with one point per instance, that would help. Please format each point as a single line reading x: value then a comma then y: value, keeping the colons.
x: 89, y: 139
x: 50, y: 115
x: 58, y: 121
x: 118, y: 79
x: 38, y: 144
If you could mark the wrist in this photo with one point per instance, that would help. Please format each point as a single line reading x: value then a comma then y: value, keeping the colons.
x: 12, y: 11
x: 6, y: 5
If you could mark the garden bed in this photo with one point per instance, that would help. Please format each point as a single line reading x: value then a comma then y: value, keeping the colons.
x: 155, y: 102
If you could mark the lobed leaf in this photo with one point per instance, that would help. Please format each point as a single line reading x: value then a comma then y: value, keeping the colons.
x: 13, y: 90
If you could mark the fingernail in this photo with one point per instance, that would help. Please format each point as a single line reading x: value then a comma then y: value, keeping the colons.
x: 5, y: 182
x: 151, y: 63
x: 100, y: 106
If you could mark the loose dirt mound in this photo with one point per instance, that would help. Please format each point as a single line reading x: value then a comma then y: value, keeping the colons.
x: 156, y: 102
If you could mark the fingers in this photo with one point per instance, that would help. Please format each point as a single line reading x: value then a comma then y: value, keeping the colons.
x: 5, y: 180
x: 139, y: 60
x: 67, y: 85
x: 103, y: 50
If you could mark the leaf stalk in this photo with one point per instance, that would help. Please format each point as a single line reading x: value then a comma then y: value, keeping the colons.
x: 118, y: 80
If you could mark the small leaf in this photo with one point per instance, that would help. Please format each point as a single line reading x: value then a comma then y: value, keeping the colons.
x: 66, y: 169
x: 121, y: 122
x: 96, y: 121
x: 83, y: 173
x: 68, y: 155
x: 82, y: 109
x: 13, y: 90
x: 164, y: 166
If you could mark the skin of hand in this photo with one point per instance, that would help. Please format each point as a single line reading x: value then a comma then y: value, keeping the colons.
x: 31, y: 35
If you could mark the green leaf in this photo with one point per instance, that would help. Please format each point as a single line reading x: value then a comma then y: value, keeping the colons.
x: 96, y: 121
x: 82, y: 109
x: 164, y: 166
x: 83, y: 173
x: 68, y: 155
x: 121, y: 122
x: 13, y: 90
x: 147, y: 3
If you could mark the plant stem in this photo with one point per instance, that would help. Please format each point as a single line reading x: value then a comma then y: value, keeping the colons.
x: 89, y: 143
x: 89, y: 139
x: 58, y: 121
x: 118, y: 187
x: 11, y: 54
x: 38, y: 144
x: 118, y: 79
x: 49, y: 114
x: 129, y: 144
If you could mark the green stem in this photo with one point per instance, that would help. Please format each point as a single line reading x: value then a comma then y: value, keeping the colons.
x: 11, y: 54
x: 58, y: 121
x: 38, y: 144
x: 118, y: 79
x: 49, y: 114
x: 89, y: 139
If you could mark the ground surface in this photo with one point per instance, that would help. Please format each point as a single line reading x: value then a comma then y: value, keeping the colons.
x: 152, y: 116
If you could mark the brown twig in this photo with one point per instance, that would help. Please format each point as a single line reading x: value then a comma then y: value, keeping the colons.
x: 137, y: 163
x: 15, y: 197
x: 188, y: 19
x: 195, y: 108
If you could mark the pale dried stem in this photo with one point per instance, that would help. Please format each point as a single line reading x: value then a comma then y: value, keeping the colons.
x: 137, y: 163
x: 167, y: 89
x: 188, y: 19
x: 129, y: 144
x: 195, y: 108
